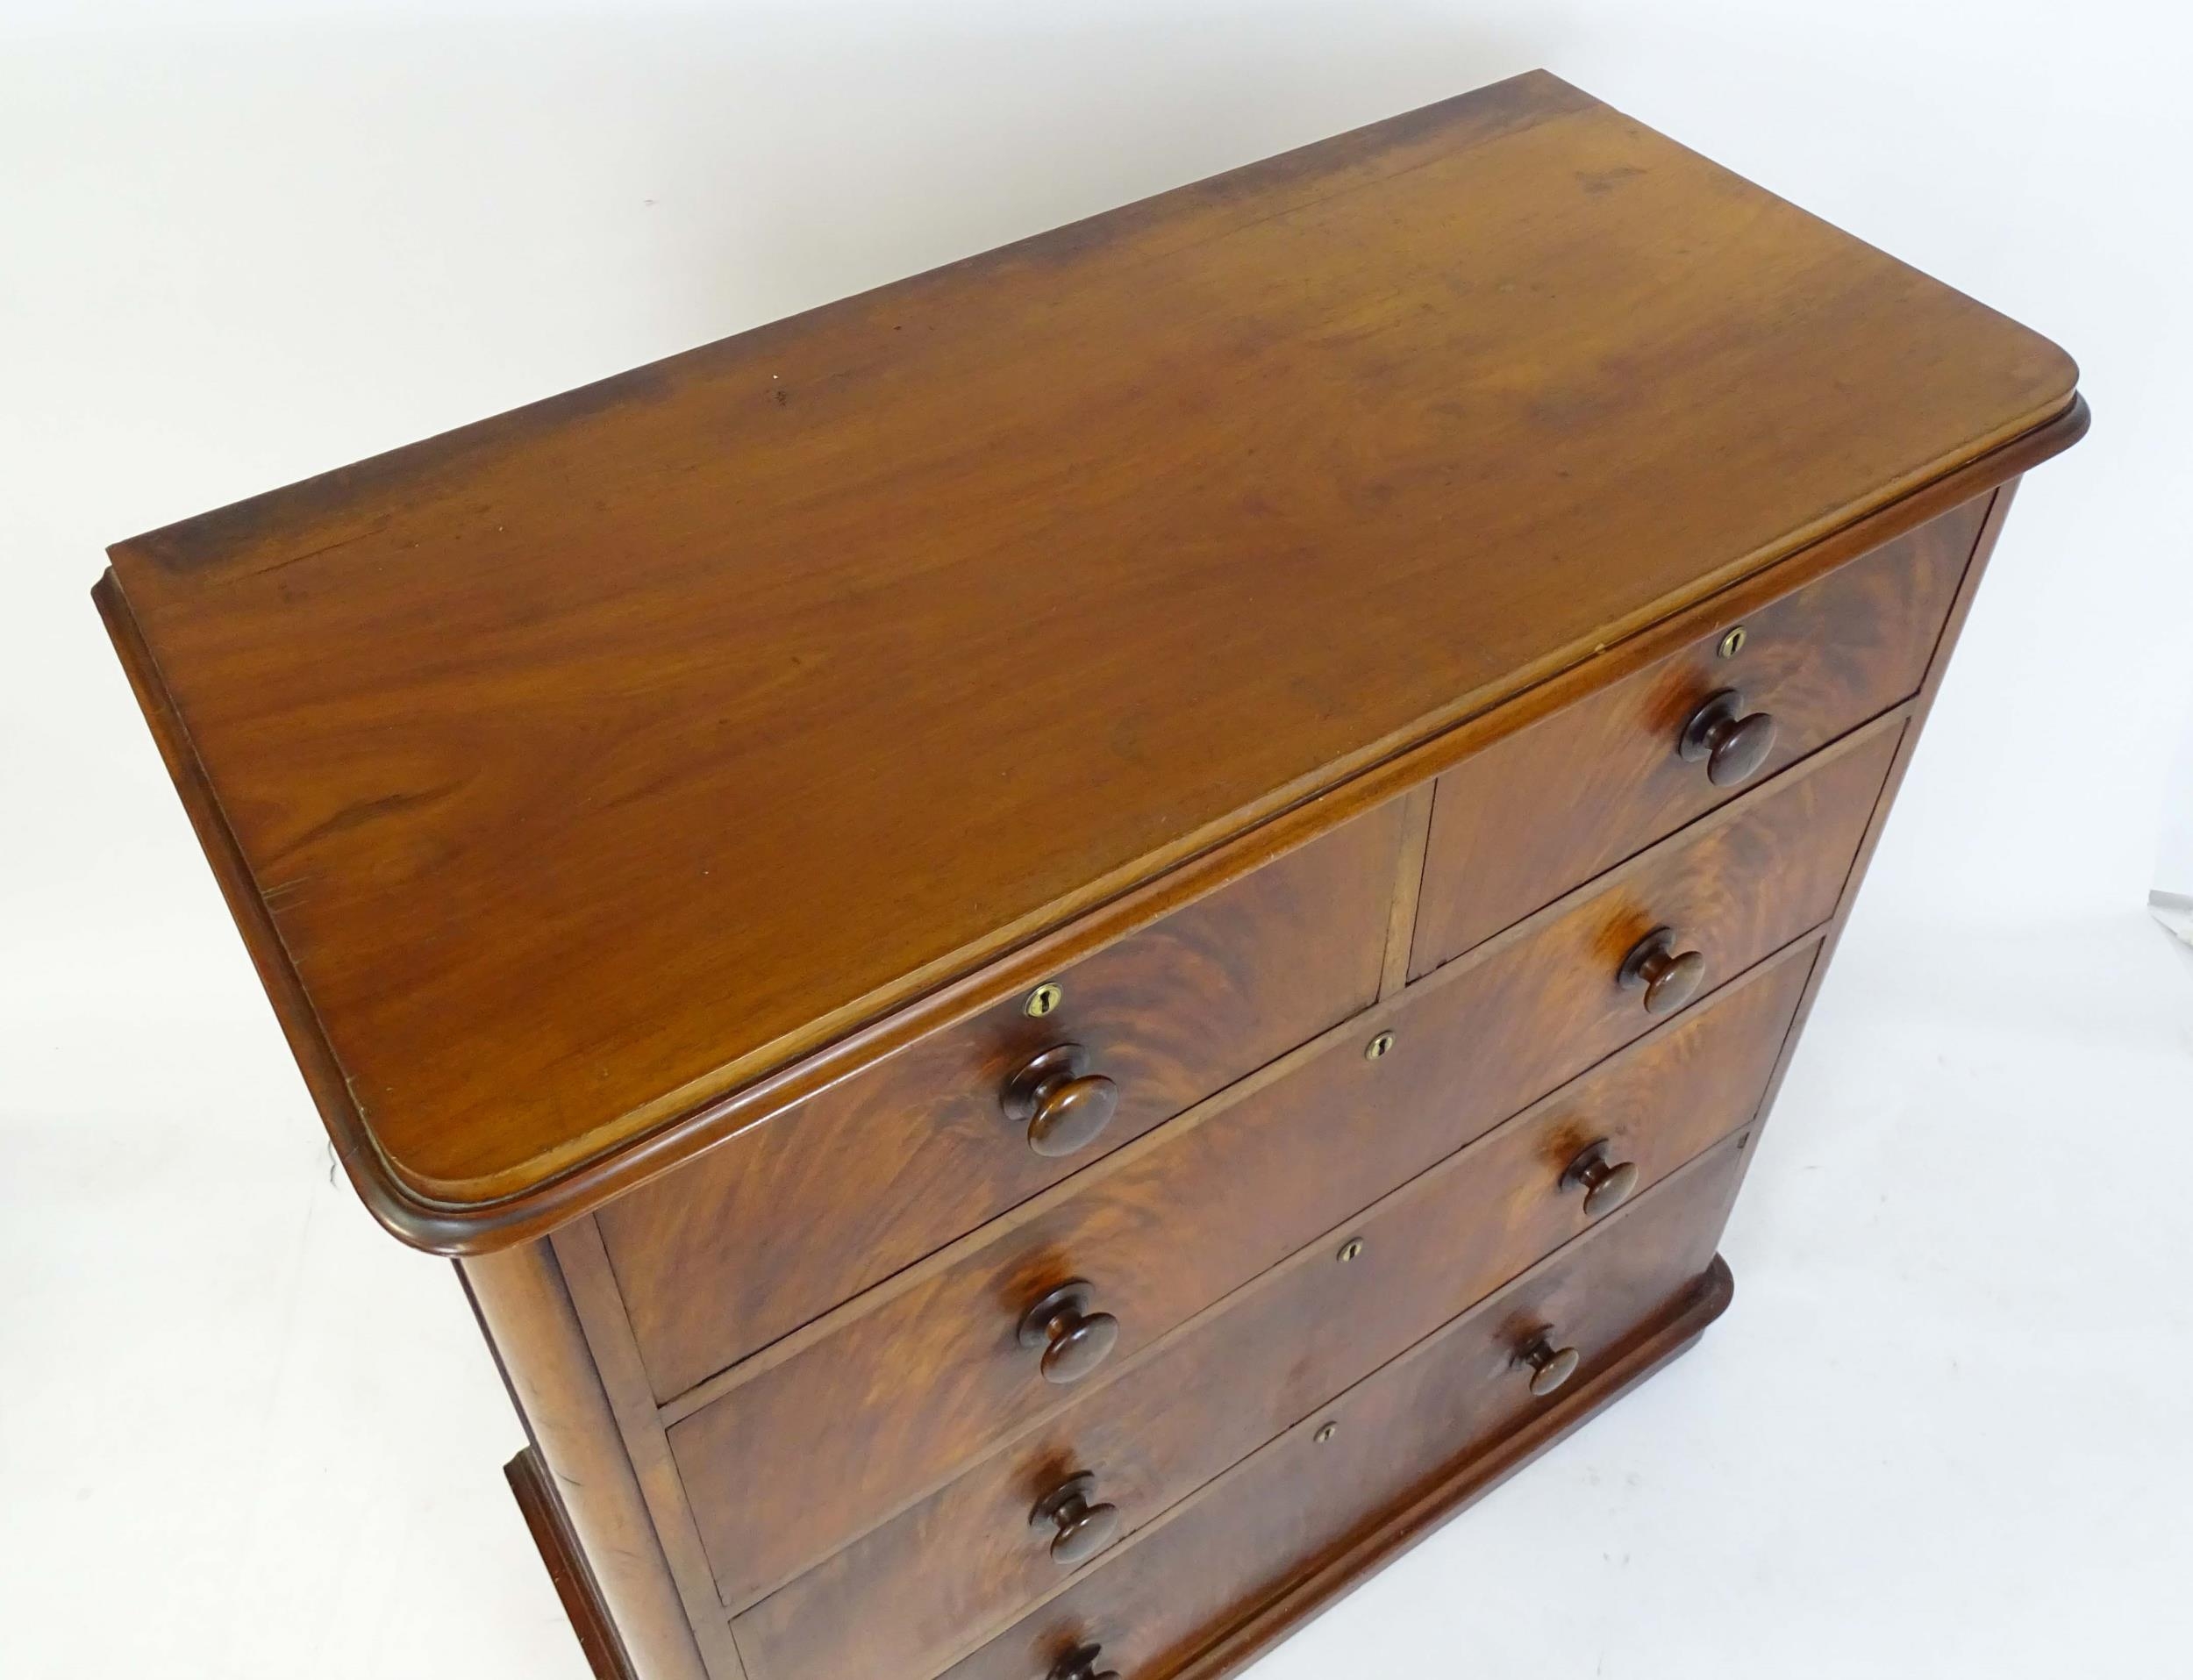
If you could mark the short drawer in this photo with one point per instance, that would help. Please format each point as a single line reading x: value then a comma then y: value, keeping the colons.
x: 1518, y: 824
x: 906, y: 1597
x: 783, y: 1222
x: 1404, y: 1430
x: 918, y: 1382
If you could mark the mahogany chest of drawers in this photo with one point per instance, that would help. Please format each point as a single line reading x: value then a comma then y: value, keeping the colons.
x: 1066, y: 946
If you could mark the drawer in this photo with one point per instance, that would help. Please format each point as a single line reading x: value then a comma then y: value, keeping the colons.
x: 933, y: 1370
x: 1517, y: 825
x: 1408, y: 1426
x: 906, y: 1597
x: 786, y: 1220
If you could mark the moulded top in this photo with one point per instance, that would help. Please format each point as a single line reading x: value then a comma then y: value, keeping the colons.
x: 587, y: 763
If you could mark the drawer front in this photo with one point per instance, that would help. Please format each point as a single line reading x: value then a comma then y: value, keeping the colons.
x: 783, y: 1222
x: 1518, y: 824
x: 935, y: 1371
x: 906, y: 1597
x: 1530, y: 1007
x: 1157, y: 1601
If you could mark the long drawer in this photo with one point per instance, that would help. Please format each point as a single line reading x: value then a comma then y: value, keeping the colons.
x: 906, y: 1597
x: 782, y: 1222
x: 1517, y: 825
x: 1407, y: 1427
x: 914, y: 1384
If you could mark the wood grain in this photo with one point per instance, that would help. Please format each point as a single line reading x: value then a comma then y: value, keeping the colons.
x: 1341, y: 1568
x: 673, y: 791
x: 1400, y: 923
x: 781, y: 1223
x: 464, y: 1228
x: 1998, y: 511
x: 1408, y: 1427
x: 925, y: 1380
x: 586, y: 765
x: 535, y: 1491
x: 584, y: 1268
x: 1516, y: 826
x: 965, y: 1560
x: 525, y: 1313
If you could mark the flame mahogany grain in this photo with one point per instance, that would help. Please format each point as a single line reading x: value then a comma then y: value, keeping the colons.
x: 583, y: 768
x: 875, y: 1173
x: 1293, y: 615
x: 965, y: 1559
x: 1516, y: 826
x: 925, y: 1379
x: 1399, y: 1433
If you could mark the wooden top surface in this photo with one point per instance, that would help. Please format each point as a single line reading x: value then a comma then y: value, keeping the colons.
x: 588, y: 762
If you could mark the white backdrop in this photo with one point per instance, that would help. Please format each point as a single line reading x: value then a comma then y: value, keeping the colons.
x: 244, y: 1435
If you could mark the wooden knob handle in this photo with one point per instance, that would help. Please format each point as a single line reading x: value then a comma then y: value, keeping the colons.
x: 1062, y: 1104
x: 1606, y: 1183
x: 1074, y: 1340
x: 1081, y: 1665
x: 1733, y: 745
x: 1081, y: 1527
x: 1549, y: 1366
x: 1668, y: 978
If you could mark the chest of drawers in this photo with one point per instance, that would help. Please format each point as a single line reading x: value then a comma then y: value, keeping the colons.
x: 1066, y: 947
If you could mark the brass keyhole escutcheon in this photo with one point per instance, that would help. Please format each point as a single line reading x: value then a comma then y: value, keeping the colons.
x: 1378, y: 1046
x: 1326, y: 1434
x: 1350, y: 1250
x: 1731, y: 644
x: 1044, y: 999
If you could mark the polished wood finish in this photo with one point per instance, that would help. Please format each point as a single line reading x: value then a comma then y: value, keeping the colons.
x: 1075, y: 1525
x: 460, y: 1229
x: 1064, y: 1105
x: 782, y: 1222
x: 1413, y: 1424
x: 526, y: 1313
x: 1068, y: 1333
x: 1082, y: 1663
x: 1543, y: 1000
x: 1577, y: 792
x: 962, y: 1559
x: 576, y: 706
x: 1665, y: 977
x: 930, y: 1375
x: 1342, y: 1567
x: 565, y: 1559
x: 1546, y: 1367
x: 579, y: 1257
x: 1998, y: 511
x: 1604, y: 1182
x: 1729, y: 740
x: 1070, y: 946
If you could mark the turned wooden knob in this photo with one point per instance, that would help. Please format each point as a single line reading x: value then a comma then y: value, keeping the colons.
x: 1733, y: 745
x: 1549, y: 1366
x: 1082, y: 1527
x: 1668, y: 978
x: 1062, y: 1104
x: 1081, y: 1665
x: 1074, y: 1340
x: 1606, y: 1185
